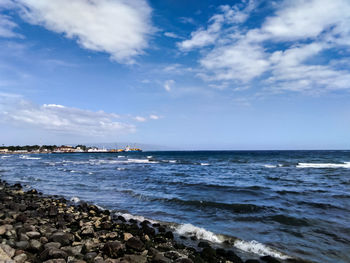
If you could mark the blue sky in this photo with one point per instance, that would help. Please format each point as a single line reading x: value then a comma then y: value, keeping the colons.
x: 184, y: 74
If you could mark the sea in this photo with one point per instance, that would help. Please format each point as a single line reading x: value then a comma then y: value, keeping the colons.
x: 279, y: 203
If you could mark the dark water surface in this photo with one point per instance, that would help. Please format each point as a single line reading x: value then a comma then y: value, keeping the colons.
x: 297, y: 202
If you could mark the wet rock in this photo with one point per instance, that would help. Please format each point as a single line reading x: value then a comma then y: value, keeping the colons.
x: 208, y: 253
x: 53, y: 253
x: 233, y: 257
x: 21, y: 258
x: 61, y: 237
x: 169, y: 235
x: 121, y: 218
x: 135, y: 243
x: 87, y: 231
x: 53, y: 211
x: 252, y: 261
x: 113, y: 249
x: 269, y: 259
x: 106, y: 225
x: 203, y: 244
x: 161, y: 229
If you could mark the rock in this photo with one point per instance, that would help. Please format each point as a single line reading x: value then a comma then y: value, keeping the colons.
x: 208, y: 253
x: 87, y: 231
x: 34, y: 245
x: 53, y: 210
x: 57, y: 260
x: 127, y: 236
x: 52, y: 253
x: 172, y: 255
x: 135, y: 259
x: 52, y: 245
x: 8, y: 250
x: 230, y: 255
x: 63, y: 238
x: 21, y: 258
x: 113, y: 249
x: 252, y: 261
x: 106, y: 225
x: 203, y: 244
x: 23, y: 237
x: 135, y: 243
x: 269, y: 259
x: 21, y: 218
x: 159, y: 258
x: 169, y: 235
x: 161, y: 229
x: 121, y: 218
x: 33, y: 234
x: 23, y: 245
x: 73, y: 251
x: 4, y: 257
x: 43, y: 240
x: 89, y: 257
x: 184, y: 260
x: 4, y: 229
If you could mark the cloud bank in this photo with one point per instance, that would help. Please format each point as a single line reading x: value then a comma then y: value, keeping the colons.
x: 303, y: 46
x: 61, y: 119
x: 120, y: 28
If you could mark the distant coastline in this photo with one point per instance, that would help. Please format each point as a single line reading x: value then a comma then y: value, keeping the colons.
x: 35, y: 149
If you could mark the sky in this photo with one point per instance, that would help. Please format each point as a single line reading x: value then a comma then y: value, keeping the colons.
x: 194, y: 75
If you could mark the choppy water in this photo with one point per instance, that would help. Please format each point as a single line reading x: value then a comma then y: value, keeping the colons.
x: 297, y: 202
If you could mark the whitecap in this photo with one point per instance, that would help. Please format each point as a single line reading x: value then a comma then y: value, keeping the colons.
x: 5, y: 156
x: 75, y: 199
x: 200, y: 233
x: 29, y: 158
x: 258, y: 248
x: 138, y: 218
x: 324, y: 165
x: 270, y: 166
x: 205, y: 164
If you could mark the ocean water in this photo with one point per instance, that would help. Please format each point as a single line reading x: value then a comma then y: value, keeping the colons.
x: 283, y: 203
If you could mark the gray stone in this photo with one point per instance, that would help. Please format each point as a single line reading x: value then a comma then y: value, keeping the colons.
x: 33, y: 234
x: 63, y: 238
x: 53, y: 253
x: 52, y: 245
x: 23, y: 245
x: 113, y: 249
x: 135, y: 243
x: 35, y: 245
x: 8, y: 250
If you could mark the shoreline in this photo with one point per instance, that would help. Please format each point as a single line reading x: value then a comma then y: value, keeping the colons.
x: 39, y: 228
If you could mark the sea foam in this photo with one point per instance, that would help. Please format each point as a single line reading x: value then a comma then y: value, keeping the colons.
x: 324, y: 165
x: 200, y: 233
x: 259, y: 249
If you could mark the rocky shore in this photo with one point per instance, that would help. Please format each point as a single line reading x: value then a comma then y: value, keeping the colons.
x: 37, y: 228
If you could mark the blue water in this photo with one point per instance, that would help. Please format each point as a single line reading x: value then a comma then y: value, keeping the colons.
x: 297, y: 202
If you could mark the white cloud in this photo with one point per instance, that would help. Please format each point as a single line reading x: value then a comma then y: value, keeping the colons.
x: 60, y: 119
x: 287, y: 52
x: 140, y: 119
x: 168, y: 85
x: 120, y: 28
x: 171, y: 35
x: 7, y: 27
x: 154, y: 117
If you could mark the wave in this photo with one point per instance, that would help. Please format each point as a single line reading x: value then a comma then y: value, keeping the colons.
x: 258, y: 248
x: 205, y: 164
x: 324, y: 165
x: 200, y: 233
x: 270, y: 166
x: 5, y: 156
x: 29, y: 158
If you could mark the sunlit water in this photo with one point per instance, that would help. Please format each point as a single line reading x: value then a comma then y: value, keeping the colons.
x: 297, y: 202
